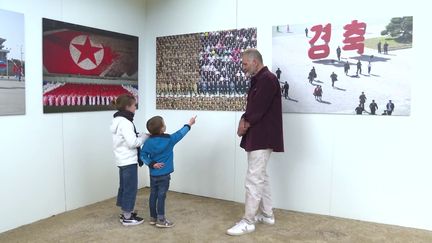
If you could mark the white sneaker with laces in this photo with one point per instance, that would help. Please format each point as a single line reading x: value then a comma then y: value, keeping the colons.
x: 265, y: 220
x: 241, y: 228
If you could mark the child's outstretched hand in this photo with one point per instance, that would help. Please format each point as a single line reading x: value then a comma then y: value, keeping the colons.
x: 192, y: 120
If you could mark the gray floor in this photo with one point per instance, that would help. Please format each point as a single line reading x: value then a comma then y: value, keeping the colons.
x: 200, y: 219
x: 12, y: 97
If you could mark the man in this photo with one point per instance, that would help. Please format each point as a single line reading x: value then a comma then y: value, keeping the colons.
x: 333, y: 77
x: 386, y: 48
x: 338, y: 53
x: 286, y: 89
x: 278, y: 73
x: 373, y: 107
x: 369, y: 67
x: 390, y: 107
x: 359, y: 70
x: 346, y: 67
x: 362, y: 99
x: 261, y: 130
x: 359, y: 109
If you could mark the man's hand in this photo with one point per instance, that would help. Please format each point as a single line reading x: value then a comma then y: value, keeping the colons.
x: 242, y: 127
x: 158, y: 165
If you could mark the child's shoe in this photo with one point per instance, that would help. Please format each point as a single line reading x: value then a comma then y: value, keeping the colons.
x: 133, y: 220
x: 121, y: 216
x: 152, y: 221
x: 164, y: 223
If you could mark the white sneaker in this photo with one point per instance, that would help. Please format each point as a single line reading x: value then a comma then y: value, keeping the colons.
x: 241, y: 228
x: 265, y: 220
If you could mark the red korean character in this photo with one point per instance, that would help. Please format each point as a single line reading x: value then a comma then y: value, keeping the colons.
x: 323, y: 50
x: 354, y: 36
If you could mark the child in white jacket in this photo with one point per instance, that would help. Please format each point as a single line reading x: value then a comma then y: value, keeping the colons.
x: 126, y: 143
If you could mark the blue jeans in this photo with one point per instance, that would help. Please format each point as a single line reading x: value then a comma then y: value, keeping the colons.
x: 158, y: 188
x: 128, y: 187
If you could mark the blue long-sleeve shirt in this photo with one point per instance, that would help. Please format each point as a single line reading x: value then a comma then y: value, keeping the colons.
x: 159, y: 149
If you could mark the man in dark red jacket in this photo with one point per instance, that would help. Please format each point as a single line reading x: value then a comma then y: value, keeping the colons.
x: 261, y: 130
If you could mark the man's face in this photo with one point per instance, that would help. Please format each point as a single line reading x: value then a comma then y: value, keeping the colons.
x: 248, y: 66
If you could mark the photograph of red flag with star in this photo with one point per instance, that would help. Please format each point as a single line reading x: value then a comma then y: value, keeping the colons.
x: 359, y: 66
x: 85, y: 69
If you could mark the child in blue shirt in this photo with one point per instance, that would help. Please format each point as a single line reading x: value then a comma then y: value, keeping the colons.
x: 157, y: 154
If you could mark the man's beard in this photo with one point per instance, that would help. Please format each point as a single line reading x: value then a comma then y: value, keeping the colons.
x: 249, y: 74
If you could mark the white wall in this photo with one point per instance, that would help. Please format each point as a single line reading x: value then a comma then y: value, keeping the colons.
x: 367, y: 168
x: 56, y: 162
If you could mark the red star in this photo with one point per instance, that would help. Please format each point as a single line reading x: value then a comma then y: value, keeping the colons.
x: 87, y: 51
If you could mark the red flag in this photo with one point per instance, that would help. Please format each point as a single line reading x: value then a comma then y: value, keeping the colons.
x: 75, y: 52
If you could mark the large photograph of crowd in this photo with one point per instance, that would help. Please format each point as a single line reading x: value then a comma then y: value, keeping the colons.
x: 357, y: 66
x: 202, y: 71
x: 12, y: 64
x: 85, y: 69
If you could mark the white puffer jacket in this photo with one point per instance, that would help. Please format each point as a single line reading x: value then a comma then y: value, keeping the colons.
x: 125, y: 142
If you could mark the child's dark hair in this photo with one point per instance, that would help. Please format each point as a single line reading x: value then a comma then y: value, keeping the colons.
x: 154, y: 125
x: 123, y: 101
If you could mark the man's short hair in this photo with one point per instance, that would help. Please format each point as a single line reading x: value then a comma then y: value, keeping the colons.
x: 254, y: 54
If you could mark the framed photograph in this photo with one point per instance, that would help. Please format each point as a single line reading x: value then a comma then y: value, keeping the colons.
x: 85, y: 69
x: 356, y: 66
x: 202, y: 71
x: 12, y: 64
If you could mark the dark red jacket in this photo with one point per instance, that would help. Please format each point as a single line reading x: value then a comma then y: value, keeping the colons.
x: 264, y: 113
